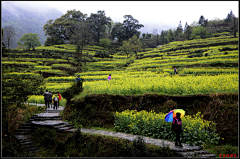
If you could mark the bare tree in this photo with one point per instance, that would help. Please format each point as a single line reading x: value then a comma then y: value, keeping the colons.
x: 155, y: 31
x: 9, y: 35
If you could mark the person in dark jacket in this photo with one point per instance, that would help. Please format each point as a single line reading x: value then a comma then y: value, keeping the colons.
x: 46, y: 98
x: 50, y: 100
x: 177, y: 128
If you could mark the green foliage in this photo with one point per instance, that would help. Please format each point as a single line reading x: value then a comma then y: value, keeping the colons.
x: 133, y: 44
x: 99, y: 22
x: 199, y: 31
x: 30, y: 40
x: 75, y: 89
x: 67, y: 21
x: 223, y: 149
x: 15, y: 92
x: 102, y: 54
x: 106, y: 43
x: 139, y: 147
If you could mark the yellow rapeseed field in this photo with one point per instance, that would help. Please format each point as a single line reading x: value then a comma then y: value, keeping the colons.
x: 196, y: 131
x: 175, y: 85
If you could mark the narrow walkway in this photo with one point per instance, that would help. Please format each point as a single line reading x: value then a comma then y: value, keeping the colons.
x: 51, y: 117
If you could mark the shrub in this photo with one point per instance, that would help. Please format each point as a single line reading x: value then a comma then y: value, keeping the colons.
x: 75, y: 89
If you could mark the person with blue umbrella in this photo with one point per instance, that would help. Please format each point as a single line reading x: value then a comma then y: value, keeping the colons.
x: 174, y: 116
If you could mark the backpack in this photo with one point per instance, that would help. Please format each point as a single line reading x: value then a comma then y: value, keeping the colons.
x: 55, y: 99
x: 47, y: 96
x: 176, y: 127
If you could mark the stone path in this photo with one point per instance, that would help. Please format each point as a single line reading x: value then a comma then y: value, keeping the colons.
x: 52, y: 118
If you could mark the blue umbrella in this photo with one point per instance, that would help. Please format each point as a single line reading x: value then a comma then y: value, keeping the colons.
x: 169, y: 117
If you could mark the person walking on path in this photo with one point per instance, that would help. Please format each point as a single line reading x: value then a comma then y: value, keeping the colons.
x: 46, y: 98
x: 177, y: 128
x: 55, y: 100
x: 175, y: 70
x: 60, y: 98
x: 50, y: 101
x: 78, y: 78
x: 109, y: 77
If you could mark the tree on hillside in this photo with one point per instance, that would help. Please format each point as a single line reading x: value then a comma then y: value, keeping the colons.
x: 131, y: 26
x: 99, y: 22
x: 109, y: 28
x: 64, y: 27
x: 187, y: 31
x: 3, y: 45
x: 199, y: 31
x: 229, y: 17
x: 83, y: 36
x: 9, y: 36
x: 30, y: 40
x: 163, y: 37
x: 126, y: 47
x: 202, y: 21
x: 118, y: 32
x: 170, y: 35
x: 234, y: 27
x: 135, y: 44
x: 180, y: 28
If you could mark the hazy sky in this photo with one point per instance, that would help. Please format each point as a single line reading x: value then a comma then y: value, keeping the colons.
x: 160, y: 15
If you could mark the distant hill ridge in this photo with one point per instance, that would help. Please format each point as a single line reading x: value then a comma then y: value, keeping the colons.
x: 26, y: 20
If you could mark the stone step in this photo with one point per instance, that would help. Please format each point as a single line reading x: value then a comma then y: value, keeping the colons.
x: 207, y: 155
x: 23, y: 130
x: 21, y: 133
x: 49, y: 116
x: 71, y: 130
x: 201, y: 152
x: 185, y: 154
x: 24, y: 127
x: 26, y: 124
x: 28, y: 146
x: 34, y: 151
x: 30, y: 149
x: 42, y: 119
x: 25, y: 140
x: 27, y: 143
x: 29, y: 121
x: 62, y: 126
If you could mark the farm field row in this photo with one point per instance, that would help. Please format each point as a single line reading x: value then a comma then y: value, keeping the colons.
x: 176, y: 85
x: 210, y: 61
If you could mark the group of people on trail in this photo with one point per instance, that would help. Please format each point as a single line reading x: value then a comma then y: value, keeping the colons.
x: 49, y: 97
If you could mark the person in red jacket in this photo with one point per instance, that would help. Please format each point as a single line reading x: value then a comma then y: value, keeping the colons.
x: 60, y: 98
x: 177, y: 128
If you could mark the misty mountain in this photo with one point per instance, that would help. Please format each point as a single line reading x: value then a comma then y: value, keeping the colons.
x: 27, y: 19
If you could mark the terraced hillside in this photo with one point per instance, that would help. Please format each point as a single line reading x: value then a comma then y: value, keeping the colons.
x: 206, y: 80
x: 214, y: 59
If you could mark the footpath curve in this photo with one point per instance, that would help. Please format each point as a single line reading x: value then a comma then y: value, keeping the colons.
x: 52, y: 118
